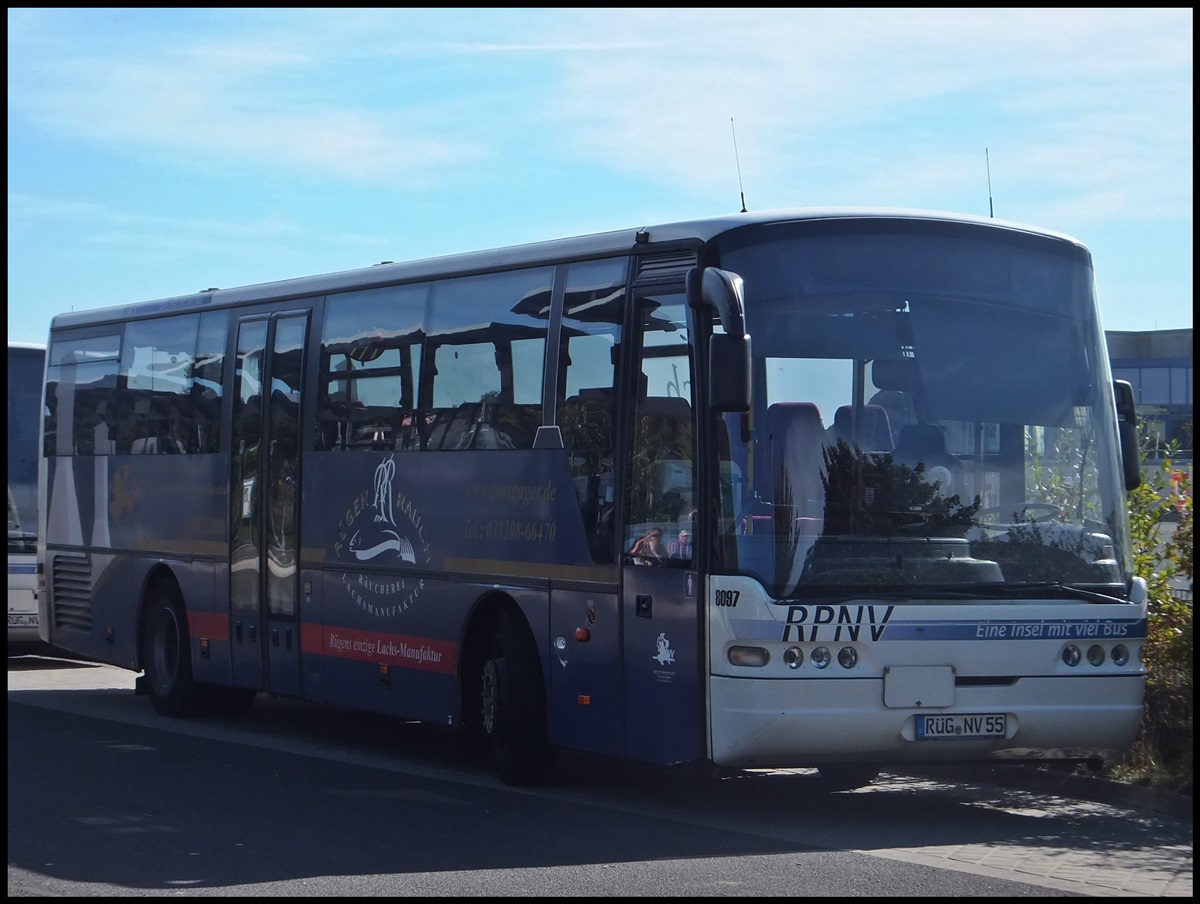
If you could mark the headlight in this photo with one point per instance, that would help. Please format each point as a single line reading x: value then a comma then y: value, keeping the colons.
x: 750, y: 656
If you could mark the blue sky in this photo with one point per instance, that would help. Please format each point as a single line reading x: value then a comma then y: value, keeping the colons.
x: 158, y: 152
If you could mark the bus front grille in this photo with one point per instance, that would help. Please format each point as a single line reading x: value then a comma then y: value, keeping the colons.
x: 72, y: 591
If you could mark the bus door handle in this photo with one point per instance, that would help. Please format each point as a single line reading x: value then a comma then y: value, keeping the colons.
x: 643, y: 605
x: 274, y: 637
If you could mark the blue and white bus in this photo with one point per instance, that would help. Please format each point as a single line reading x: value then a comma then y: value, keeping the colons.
x: 818, y: 488
x: 26, y: 370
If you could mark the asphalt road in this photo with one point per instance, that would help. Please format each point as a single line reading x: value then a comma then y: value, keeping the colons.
x: 107, y: 798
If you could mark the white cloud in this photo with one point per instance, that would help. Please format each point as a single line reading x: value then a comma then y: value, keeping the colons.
x: 1086, y: 110
x: 648, y: 92
x: 1059, y: 87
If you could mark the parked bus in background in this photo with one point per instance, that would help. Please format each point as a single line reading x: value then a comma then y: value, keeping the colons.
x: 832, y: 489
x: 26, y: 369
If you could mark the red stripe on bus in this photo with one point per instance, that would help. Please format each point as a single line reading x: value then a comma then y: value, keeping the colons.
x: 212, y: 625
x: 400, y: 650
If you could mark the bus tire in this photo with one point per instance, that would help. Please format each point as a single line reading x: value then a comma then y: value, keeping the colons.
x: 846, y: 776
x: 167, y: 654
x: 513, y: 705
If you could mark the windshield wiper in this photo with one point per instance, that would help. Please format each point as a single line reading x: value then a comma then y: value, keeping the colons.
x: 1026, y: 589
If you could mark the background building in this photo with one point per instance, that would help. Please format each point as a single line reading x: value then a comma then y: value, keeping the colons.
x: 1158, y: 364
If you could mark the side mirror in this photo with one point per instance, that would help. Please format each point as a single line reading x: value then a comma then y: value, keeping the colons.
x: 1131, y: 459
x: 720, y: 290
x: 729, y: 352
x: 729, y: 372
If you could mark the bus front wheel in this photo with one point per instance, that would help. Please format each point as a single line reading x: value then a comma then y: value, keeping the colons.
x: 513, y: 705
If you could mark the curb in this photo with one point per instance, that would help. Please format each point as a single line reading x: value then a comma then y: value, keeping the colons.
x: 1030, y: 777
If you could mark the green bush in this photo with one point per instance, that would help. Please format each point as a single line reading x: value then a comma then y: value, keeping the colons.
x: 1162, y: 753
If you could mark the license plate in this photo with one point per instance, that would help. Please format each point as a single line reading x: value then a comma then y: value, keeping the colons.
x: 22, y: 621
x: 980, y: 725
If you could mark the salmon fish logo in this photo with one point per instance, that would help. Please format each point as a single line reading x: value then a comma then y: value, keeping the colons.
x: 382, y: 527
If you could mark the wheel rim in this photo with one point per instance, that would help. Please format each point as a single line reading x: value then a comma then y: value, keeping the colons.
x: 490, y: 696
x: 166, y: 650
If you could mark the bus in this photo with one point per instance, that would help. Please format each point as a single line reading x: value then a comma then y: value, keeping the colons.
x: 819, y: 489
x: 26, y: 365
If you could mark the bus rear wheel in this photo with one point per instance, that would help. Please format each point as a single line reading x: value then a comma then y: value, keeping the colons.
x: 167, y: 655
x: 167, y: 663
x: 513, y: 706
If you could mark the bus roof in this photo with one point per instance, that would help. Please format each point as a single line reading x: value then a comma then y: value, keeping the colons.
x: 603, y: 244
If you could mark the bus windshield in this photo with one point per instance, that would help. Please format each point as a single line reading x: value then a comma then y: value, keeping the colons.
x: 932, y: 408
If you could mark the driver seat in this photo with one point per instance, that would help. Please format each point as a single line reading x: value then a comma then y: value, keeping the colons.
x: 926, y: 444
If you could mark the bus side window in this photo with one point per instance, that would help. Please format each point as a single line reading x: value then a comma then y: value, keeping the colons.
x: 586, y: 420
x: 593, y: 310
x: 453, y: 428
x: 485, y: 357
x: 665, y: 426
x: 371, y: 352
x: 87, y: 391
x: 662, y: 474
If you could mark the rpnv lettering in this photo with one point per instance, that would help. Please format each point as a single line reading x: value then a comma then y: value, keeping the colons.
x: 835, y: 623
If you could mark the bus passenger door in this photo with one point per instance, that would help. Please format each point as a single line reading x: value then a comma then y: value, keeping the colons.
x: 265, y: 485
x: 663, y: 669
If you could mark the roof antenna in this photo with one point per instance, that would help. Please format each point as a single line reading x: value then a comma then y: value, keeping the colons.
x: 739, y: 164
x: 988, y: 162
